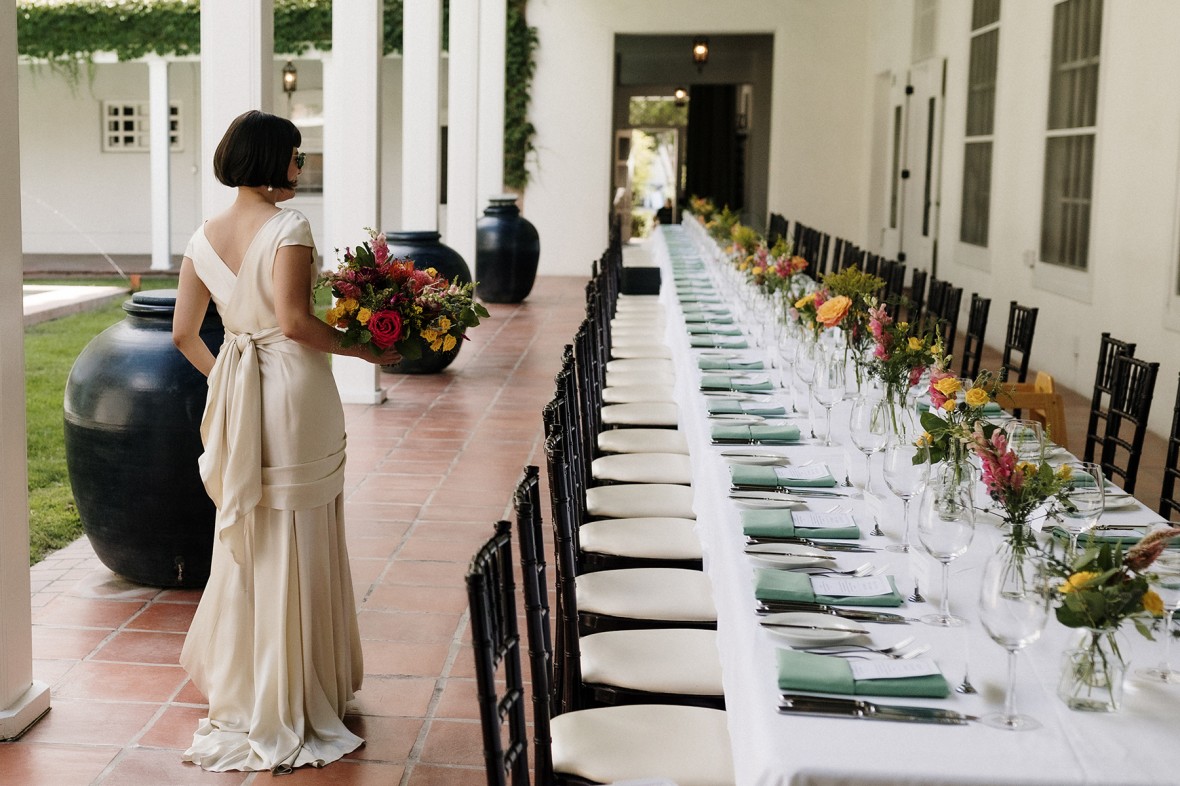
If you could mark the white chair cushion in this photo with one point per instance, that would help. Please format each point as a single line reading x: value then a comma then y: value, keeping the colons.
x: 669, y: 594
x: 636, y: 500
x: 640, y: 364
x: 646, y: 537
x: 687, y: 745
x: 648, y: 324
x: 626, y: 303
x: 649, y: 377
x: 660, y: 660
x: 638, y: 394
x: 643, y: 413
x: 643, y: 468
x: 647, y: 349
x: 642, y: 440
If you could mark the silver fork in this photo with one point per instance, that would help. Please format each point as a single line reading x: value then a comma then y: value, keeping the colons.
x: 866, y: 569
x: 896, y: 651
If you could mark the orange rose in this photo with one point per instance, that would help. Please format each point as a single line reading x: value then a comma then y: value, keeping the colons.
x: 834, y: 310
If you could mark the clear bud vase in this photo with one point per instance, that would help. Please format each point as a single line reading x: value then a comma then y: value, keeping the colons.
x: 1094, y: 670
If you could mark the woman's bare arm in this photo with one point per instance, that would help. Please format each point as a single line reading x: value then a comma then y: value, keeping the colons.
x: 192, y: 301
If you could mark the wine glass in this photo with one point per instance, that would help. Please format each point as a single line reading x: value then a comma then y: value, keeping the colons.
x: 1084, y: 503
x: 869, y: 428
x: 807, y: 356
x: 1164, y: 578
x: 1026, y: 438
x: 946, y: 526
x: 905, y: 478
x: 1013, y: 608
x: 828, y: 388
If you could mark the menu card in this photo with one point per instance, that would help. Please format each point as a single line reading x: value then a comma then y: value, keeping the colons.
x: 850, y: 586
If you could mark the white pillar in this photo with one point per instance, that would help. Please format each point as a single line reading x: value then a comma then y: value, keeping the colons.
x: 22, y: 699
x: 493, y: 33
x: 352, y: 156
x: 237, y: 72
x: 421, y: 43
x: 161, y: 163
x: 463, y: 128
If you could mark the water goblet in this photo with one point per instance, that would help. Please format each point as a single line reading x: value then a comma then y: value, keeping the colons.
x: 1013, y: 608
x: 1084, y: 503
x: 1164, y: 578
x: 869, y: 428
x: 807, y: 355
x: 906, y: 469
x: 1026, y: 438
x: 946, y: 526
x: 828, y: 387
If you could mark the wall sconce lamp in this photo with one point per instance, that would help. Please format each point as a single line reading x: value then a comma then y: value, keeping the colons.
x: 290, y: 78
x: 700, y: 52
x: 680, y: 96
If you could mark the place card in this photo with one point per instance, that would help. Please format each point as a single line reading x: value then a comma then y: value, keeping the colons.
x: 851, y: 587
x: 888, y: 669
x: 804, y: 472
x: 807, y: 519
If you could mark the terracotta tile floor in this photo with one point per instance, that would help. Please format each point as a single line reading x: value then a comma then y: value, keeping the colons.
x: 428, y: 472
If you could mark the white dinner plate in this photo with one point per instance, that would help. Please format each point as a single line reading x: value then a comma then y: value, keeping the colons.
x: 765, y: 504
x: 790, y: 556
x: 1121, y: 501
x: 735, y: 419
x: 754, y: 459
x: 843, y: 629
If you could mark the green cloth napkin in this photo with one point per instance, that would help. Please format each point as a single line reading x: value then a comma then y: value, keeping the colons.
x: 778, y: 523
x: 990, y: 409
x: 731, y: 406
x: 757, y: 433
x: 745, y: 475
x: 715, y: 317
x: 725, y: 382
x: 711, y: 363
x: 714, y: 342
x: 1081, y: 479
x: 771, y: 584
x: 713, y: 329
x: 811, y: 671
x: 1112, y: 536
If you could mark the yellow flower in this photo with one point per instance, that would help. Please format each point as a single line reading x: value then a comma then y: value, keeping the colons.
x: 1064, y: 472
x: 757, y: 271
x: 333, y: 315
x: 805, y: 301
x: 916, y: 344
x: 348, y: 305
x: 948, y: 386
x: 1077, y: 581
x: 436, y: 345
x: 429, y: 335
x: 924, y: 440
x: 363, y: 316
x: 444, y: 324
x: 431, y: 271
x: 1153, y: 604
x: 949, y: 405
x: 449, y: 343
x: 1026, y: 468
x: 977, y: 397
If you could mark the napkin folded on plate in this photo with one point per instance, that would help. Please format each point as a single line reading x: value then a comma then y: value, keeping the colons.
x: 773, y: 477
x: 689, y: 297
x: 990, y: 409
x: 712, y: 317
x: 1125, y: 537
x: 771, y: 584
x: 737, y: 384
x: 811, y: 671
x: 717, y: 342
x: 713, y: 329
x: 756, y: 433
x: 729, y: 364
x: 733, y: 406
x: 779, y: 523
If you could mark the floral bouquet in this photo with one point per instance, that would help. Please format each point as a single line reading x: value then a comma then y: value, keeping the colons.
x: 385, y: 302
x: 1020, y: 487
x: 901, y: 350
x: 951, y: 424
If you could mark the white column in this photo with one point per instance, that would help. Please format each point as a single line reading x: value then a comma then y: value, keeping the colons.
x: 22, y: 699
x: 463, y: 128
x: 421, y: 42
x: 237, y: 73
x: 161, y: 163
x: 493, y: 32
x: 352, y: 154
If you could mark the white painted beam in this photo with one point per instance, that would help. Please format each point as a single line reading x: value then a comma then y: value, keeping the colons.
x: 421, y: 44
x: 493, y: 33
x: 463, y: 102
x: 161, y: 163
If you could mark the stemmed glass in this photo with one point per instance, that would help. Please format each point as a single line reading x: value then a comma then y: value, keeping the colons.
x: 1026, y: 438
x: 1013, y: 608
x: 869, y: 428
x: 1164, y: 578
x: 807, y: 356
x: 905, y: 478
x: 1085, y: 501
x: 946, y: 526
x: 828, y: 388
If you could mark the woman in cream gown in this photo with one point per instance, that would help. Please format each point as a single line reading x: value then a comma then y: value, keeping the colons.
x: 274, y: 645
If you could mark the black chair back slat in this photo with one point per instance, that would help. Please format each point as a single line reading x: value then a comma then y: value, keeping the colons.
x: 948, y: 316
x: 974, y: 338
x: 1126, y: 422
x: 776, y: 229
x: 917, y: 296
x: 1022, y: 324
x: 1108, y: 349
x: 1169, y: 504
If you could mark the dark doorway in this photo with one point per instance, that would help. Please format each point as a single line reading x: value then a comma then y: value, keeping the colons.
x: 714, y: 158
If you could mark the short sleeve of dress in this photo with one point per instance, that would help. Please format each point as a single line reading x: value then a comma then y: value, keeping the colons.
x: 296, y: 231
x: 189, y: 250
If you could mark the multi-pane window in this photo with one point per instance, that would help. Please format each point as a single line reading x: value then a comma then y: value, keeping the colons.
x: 981, y: 110
x: 1069, y: 144
x: 126, y: 126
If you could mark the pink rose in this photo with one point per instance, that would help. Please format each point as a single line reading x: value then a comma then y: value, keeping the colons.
x: 386, y: 328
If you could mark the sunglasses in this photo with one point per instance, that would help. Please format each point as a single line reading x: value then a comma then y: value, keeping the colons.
x: 300, y: 158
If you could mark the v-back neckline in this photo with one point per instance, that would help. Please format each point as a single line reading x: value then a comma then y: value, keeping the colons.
x: 249, y: 247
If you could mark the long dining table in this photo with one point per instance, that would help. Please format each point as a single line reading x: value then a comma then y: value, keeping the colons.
x: 1138, y: 744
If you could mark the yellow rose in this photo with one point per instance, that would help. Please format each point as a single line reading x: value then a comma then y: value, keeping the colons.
x: 924, y: 440
x: 1026, y: 468
x: 916, y: 344
x: 977, y: 397
x: 1064, y: 472
x: 949, y: 405
x: 444, y: 324
x: 449, y: 343
x: 348, y: 305
x: 757, y: 271
x: 436, y: 345
x: 333, y: 315
x: 1153, y: 604
x: 1077, y: 581
x: 948, y: 386
x: 363, y: 316
x: 805, y: 301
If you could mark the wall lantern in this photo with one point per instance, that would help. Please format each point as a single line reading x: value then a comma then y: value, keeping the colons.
x: 700, y: 52
x: 290, y: 78
x: 680, y: 96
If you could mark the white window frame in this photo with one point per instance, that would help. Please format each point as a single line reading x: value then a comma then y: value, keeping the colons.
x: 139, y: 119
x: 989, y: 139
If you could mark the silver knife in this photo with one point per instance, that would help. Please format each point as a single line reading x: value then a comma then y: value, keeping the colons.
x: 884, y: 617
x: 785, y: 553
x: 802, y: 491
x: 827, y: 545
x: 867, y: 710
x: 767, y: 624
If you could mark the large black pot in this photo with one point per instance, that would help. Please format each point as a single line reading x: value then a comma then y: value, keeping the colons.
x: 426, y: 251
x: 133, y: 407
x: 507, y: 249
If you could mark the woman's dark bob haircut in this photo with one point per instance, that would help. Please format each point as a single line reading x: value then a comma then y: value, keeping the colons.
x: 256, y: 151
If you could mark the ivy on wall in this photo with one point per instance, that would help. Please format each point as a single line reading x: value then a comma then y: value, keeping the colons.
x: 67, y: 35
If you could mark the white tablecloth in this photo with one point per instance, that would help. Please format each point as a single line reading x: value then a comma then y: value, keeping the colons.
x: 1137, y: 745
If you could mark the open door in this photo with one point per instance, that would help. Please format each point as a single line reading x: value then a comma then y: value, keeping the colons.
x: 918, y: 243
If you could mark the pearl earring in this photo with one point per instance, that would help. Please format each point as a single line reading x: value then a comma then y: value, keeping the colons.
x: 270, y: 188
